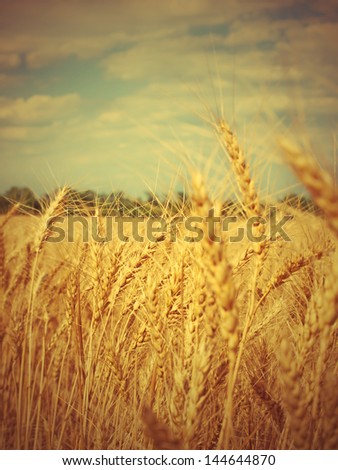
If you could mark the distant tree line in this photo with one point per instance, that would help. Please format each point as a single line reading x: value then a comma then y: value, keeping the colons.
x: 87, y: 202
x: 118, y: 203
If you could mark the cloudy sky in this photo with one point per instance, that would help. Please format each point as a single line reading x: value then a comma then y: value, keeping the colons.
x: 116, y: 94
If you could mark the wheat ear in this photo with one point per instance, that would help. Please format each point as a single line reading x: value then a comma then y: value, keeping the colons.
x: 316, y: 180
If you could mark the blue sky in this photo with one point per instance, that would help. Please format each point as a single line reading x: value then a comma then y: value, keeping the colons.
x: 116, y: 95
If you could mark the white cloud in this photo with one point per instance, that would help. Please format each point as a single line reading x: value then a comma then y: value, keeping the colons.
x: 37, y: 109
x: 48, y: 32
x: 154, y: 55
x: 25, y: 133
x: 51, y: 49
x: 110, y: 117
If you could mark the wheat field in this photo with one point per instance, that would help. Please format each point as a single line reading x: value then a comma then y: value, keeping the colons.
x: 170, y: 344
